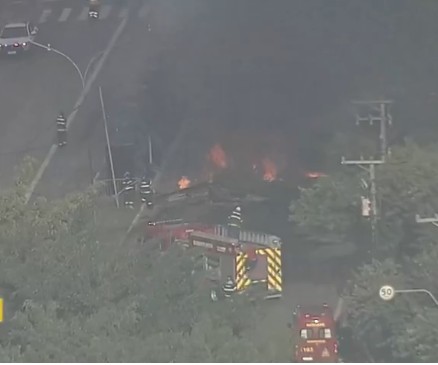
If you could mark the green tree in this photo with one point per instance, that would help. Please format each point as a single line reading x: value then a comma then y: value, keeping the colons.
x: 407, y: 186
x: 402, y: 329
x: 73, y: 298
x: 329, y: 210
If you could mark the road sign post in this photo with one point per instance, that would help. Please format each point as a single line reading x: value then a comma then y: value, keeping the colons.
x: 386, y: 292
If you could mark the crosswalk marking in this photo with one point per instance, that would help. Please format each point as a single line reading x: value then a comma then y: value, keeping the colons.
x: 44, y: 16
x: 144, y: 10
x: 123, y: 13
x: 84, y: 13
x: 104, y: 11
x: 64, y: 15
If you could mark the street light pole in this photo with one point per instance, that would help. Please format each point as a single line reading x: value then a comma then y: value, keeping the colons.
x: 434, y: 299
x: 110, y: 155
x: 150, y: 150
x: 433, y: 220
x: 49, y: 48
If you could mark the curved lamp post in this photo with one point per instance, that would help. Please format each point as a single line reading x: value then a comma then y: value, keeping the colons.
x: 51, y: 49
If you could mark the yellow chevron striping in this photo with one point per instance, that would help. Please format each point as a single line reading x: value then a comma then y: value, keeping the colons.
x: 273, y: 285
x: 240, y: 263
x: 242, y: 281
x: 274, y: 269
x: 274, y: 282
x: 274, y: 256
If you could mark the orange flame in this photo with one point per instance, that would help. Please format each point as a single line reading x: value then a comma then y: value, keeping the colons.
x: 218, y: 157
x: 269, y: 170
x: 184, y: 182
x: 314, y: 175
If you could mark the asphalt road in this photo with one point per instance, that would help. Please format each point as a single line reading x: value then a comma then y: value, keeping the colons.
x: 37, y: 85
x: 136, y: 68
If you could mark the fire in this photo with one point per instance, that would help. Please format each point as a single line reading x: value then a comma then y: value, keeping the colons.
x: 314, y: 175
x: 269, y: 170
x: 218, y: 157
x: 184, y: 182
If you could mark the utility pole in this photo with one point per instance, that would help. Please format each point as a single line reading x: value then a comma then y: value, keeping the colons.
x: 370, y: 167
x: 377, y: 111
x: 150, y: 150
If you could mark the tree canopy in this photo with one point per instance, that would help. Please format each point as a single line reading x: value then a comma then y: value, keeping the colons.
x: 404, y: 255
x: 70, y: 297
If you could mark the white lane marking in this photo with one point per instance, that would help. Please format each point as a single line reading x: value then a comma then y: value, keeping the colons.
x: 71, y: 117
x: 84, y: 13
x: 64, y: 15
x: 105, y: 11
x: 144, y: 11
x: 44, y: 16
x: 123, y: 13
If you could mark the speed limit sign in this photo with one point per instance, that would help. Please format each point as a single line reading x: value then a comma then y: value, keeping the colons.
x: 386, y: 292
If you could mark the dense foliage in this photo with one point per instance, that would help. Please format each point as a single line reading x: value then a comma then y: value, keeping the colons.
x: 404, y: 255
x: 71, y: 298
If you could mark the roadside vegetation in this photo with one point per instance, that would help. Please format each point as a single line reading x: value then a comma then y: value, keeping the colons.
x: 404, y: 256
x: 72, y: 297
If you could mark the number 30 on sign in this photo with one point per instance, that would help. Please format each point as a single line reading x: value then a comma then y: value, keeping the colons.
x: 386, y: 292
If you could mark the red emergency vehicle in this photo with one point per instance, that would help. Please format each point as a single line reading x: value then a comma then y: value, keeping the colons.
x: 317, y: 340
x: 174, y: 230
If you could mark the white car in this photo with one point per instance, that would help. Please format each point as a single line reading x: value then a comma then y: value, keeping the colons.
x: 16, y: 37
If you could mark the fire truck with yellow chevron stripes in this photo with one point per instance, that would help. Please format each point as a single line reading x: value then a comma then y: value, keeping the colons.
x: 253, y: 265
x: 253, y: 261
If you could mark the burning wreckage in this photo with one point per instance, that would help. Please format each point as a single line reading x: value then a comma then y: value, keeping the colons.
x: 251, y: 260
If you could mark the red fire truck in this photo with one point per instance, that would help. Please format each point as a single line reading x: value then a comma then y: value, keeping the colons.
x: 253, y: 267
x: 254, y: 260
x: 317, y: 340
x: 174, y: 230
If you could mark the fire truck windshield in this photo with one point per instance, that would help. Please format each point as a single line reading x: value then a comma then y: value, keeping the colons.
x: 316, y: 333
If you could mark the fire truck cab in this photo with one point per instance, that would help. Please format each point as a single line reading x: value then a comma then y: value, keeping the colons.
x: 316, y: 329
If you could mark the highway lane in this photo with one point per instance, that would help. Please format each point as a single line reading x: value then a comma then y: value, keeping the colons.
x: 36, y: 86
